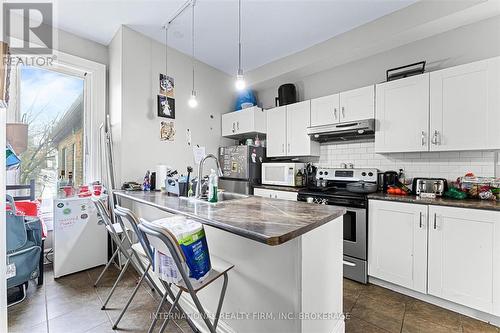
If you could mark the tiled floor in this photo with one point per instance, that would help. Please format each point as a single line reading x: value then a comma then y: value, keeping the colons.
x: 371, y: 308
x: 72, y: 305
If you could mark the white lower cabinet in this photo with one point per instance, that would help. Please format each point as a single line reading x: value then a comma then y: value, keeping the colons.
x: 275, y: 194
x: 397, y: 243
x: 464, y: 257
x: 448, y: 252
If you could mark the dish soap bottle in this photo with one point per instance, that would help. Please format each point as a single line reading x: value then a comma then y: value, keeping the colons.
x: 213, y: 181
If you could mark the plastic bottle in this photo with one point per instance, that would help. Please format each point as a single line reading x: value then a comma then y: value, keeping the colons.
x: 213, y: 182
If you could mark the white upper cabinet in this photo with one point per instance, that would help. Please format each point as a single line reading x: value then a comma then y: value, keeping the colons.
x: 357, y: 104
x: 286, y: 131
x: 325, y: 110
x: 465, y: 106
x: 397, y: 243
x: 245, y: 123
x: 402, y: 115
x: 298, y: 119
x: 464, y: 257
x: 276, y: 132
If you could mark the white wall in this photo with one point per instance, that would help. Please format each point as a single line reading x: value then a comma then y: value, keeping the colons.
x: 138, y: 142
x: 469, y: 43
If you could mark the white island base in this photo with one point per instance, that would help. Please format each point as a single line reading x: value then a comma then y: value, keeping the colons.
x: 292, y: 287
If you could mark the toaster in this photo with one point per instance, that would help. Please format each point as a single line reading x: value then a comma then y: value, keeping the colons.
x: 429, y: 186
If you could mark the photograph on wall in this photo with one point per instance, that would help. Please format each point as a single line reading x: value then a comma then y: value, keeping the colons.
x: 167, y: 131
x: 167, y: 86
x: 166, y: 107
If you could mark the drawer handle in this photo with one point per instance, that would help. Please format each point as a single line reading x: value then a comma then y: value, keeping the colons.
x: 335, y: 113
x: 343, y: 112
x: 420, y: 222
x: 348, y: 263
x: 435, y: 221
x: 423, y: 138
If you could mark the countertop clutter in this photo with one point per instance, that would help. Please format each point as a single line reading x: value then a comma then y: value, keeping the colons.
x: 268, y: 221
x: 465, y: 203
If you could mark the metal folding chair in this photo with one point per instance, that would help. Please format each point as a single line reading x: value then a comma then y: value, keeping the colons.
x: 164, y: 241
x: 116, y: 230
x: 130, y: 220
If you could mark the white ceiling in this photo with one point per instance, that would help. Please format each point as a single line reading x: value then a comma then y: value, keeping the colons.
x: 271, y: 29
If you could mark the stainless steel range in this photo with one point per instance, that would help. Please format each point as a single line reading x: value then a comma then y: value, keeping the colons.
x: 330, y: 189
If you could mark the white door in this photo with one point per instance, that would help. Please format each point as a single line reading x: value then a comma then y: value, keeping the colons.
x: 276, y: 131
x: 244, y: 121
x: 228, y: 124
x: 402, y: 115
x: 325, y: 110
x: 274, y: 194
x: 464, y: 257
x: 397, y: 243
x: 357, y: 104
x: 298, y: 118
x: 465, y: 106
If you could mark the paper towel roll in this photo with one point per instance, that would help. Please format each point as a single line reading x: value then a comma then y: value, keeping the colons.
x: 161, y: 175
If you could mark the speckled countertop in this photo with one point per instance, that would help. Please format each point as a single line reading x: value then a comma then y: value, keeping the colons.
x: 279, y: 188
x: 269, y: 221
x: 466, y: 203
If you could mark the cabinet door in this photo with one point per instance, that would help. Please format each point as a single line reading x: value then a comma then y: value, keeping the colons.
x: 402, y: 115
x: 465, y: 104
x: 397, y: 243
x: 286, y: 195
x: 464, y: 257
x: 357, y: 104
x: 276, y: 131
x: 228, y: 124
x: 244, y: 121
x: 325, y: 110
x: 262, y: 192
x: 298, y: 118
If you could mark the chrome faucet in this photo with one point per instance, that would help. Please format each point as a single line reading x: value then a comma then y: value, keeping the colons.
x: 200, y: 173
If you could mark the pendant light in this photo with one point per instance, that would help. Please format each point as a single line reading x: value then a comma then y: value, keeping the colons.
x: 240, y: 81
x: 193, y: 102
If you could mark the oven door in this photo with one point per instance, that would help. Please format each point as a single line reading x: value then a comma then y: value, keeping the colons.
x: 355, y: 232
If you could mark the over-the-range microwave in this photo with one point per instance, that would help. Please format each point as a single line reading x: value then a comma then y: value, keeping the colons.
x: 280, y: 173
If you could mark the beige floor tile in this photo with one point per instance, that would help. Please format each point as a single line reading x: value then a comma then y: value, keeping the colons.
x: 356, y: 325
x: 471, y: 325
x: 434, y: 314
x: 417, y: 324
x: 384, y: 314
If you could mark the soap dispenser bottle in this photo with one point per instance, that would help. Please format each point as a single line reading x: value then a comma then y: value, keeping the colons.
x: 213, y: 181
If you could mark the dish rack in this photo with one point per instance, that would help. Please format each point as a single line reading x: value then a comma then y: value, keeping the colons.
x: 485, y: 188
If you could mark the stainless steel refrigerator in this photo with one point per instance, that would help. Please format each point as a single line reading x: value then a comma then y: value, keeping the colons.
x: 241, y: 168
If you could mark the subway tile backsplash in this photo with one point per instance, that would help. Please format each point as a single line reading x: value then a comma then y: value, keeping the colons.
x: 449, y: 165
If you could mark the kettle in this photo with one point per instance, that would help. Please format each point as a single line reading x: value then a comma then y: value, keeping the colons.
x: 390, y: 178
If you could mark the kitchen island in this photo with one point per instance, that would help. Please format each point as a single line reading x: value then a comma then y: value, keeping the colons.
x: 287, y: 256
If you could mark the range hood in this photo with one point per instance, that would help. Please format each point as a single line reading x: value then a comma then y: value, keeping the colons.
x: 349, y: 131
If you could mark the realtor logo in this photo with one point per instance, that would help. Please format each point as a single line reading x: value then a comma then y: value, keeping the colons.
x: 27, y: 27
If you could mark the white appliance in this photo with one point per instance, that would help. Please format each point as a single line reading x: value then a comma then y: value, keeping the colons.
x: 80, y: 242
x: 280, y: 173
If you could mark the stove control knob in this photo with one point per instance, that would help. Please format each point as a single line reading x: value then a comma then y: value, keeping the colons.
x: 363, y: 174
x: 370, y: 174
x: 326, y: 173
x: 321, y: 173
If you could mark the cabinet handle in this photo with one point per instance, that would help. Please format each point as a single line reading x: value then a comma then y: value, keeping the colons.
x: 423, y: 138
x: 270, y: 195
x: 288, y: 147
x: 420, y: 222
x: 435, y: 138
x: 335, y: 113
x: 238, y: 125
x: 282, y: 147
x: 435, y: 221
x: 275, y: 196
x: 343, y: 112
x: 233, y: 127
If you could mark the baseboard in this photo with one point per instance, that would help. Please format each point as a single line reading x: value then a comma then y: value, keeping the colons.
x: 340, y: 328
x: 479, y: 315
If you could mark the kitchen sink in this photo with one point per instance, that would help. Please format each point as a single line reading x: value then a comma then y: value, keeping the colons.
x: 221, y: 197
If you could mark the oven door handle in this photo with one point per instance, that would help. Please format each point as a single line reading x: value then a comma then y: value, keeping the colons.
x: 348, y: 263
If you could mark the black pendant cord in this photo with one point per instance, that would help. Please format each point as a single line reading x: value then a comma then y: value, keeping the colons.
x: 192, y: 40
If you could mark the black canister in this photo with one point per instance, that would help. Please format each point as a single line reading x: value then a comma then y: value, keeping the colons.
x: 287, y: 94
